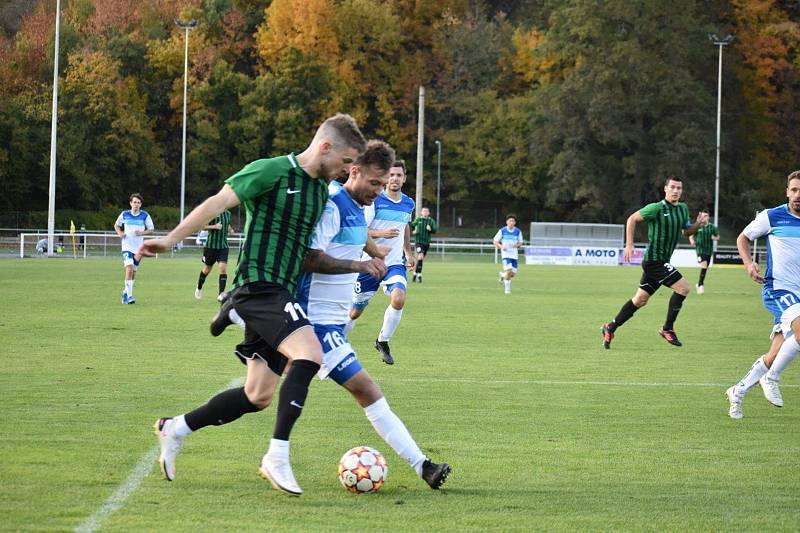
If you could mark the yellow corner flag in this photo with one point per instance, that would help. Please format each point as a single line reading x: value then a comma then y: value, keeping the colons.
x: 72, y: 232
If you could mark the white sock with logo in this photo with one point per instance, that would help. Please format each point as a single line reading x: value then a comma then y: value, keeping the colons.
x: 391, y: 319
x: 786, y: 355
x: 753, y: 375
x: 392, y: 430
x: 129, y: 287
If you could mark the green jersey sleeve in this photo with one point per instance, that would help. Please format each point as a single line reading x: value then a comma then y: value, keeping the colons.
x: 650, y: 211
x: 714, y: 230
x: 256, y: 178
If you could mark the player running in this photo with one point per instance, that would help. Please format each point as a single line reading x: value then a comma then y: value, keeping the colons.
x: 388, y: 219
x: 284, y: 198
x: 342, y: 234
x: 666, y: 220
x: 508, y: 240
x: 424, y: 226
x: 703, y: 242
x: 131, y: 227
x: 215, y: 251
x: 780, y: 292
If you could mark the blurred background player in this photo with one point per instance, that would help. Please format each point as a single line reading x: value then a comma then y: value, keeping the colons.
x: 780, y: 292
x: 131, y: 227
x: 424, y: 226
x: 703, y: 242
x: 666, y: 220
x: 388, y: 219
x: 508, y: 240
x: 215, y: 251
x: 339, y: 239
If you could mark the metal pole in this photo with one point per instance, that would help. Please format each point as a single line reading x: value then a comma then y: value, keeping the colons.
x: 51, y: 204
x: 719, y: 43
x: 438, y: 178
x: 420, y: 142
x: 186, y: 26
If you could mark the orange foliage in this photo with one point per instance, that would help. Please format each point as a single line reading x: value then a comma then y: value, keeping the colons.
x: 299, y: 24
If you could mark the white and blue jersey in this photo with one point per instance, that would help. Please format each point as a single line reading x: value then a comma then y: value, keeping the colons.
x: 509, y: 238
x: 383, y: 214
x: 341, y: 233
x: 781, y: 289
x: 130, y: 224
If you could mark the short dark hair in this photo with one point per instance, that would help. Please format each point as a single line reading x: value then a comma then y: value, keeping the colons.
x: 705, y: 210
x: 344, y: 130
x: 511, y: 215
x: 135, y: 195
x: 793, y: 176
x: 673, y: 178
x: 378, y: 154
x: 400, y: 163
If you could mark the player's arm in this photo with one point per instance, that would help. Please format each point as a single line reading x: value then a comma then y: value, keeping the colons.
x: 414, y: 225
x: 200, y: 215
x: 432, y: 226
x: 743, y: 244
x: 700, y: 221
x: 373, y: 250
x: 118, y: 227
x: 148, y: 227
x: 319, y: 261
x: 630, y: 232
x: 411, y: 261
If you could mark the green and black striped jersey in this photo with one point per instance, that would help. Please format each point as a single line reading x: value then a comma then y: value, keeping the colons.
x: 703, y: 242
x: 423, y: 235
x: 283, y: 205
x: 664, y: 224
x: 218, y: 238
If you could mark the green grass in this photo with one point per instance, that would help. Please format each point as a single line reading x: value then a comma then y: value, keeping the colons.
x: 544, y: 429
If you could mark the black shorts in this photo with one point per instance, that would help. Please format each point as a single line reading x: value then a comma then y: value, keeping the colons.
x: 422, y: 248
x: 701, y: 258
x: 215, y: 255
x: 270, y: 315
x: 655, y: 274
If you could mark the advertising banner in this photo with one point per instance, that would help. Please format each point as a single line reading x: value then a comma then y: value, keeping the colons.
x: 536, y: 255
x: 582, y: 255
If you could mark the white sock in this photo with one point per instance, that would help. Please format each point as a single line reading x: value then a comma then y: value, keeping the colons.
x: 129, y: 287
x: 391, y: 319
x: 180, y: 427
x: 507, y: 284
x: 392, y: 430
x: 235, y: 318
x: 786, y: 355
x: 753, y: 375
x: 349, y: 325
x: 278, y: 449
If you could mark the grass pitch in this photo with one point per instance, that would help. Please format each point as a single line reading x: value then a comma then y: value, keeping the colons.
x: 544, y: 429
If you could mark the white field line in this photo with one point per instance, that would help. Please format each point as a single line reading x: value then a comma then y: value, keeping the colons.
x: 142, y: 469
x: 475, y: 381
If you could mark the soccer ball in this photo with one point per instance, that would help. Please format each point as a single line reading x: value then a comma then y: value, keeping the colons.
x: 363, y: 469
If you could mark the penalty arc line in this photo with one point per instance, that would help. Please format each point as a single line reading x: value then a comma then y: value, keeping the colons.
x: 124, y: 491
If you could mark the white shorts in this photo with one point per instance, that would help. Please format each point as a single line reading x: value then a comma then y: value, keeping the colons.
x: 128, y: 259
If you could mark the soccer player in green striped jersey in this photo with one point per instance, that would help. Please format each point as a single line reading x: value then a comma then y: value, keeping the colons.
x: 703, y: 242
x: 284, y: 198
x: 666, y: 221
x: 424, y: 226
x: 215, y: 251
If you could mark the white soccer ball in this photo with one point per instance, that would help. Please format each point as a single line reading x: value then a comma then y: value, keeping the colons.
x: 363, y: 469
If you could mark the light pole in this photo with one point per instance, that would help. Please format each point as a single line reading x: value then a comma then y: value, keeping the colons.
x: 51, y: 203
x: 438, y: 177
x: 185, y: 26
x: 721, y: 43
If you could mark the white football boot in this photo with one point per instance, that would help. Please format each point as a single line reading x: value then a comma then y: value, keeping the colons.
x: 771, y: 390
x: 170, y: 446
x: 279, y: 473
x: 735, y: 409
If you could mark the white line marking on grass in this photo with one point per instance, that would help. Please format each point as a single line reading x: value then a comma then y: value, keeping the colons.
x: 553, y: 382
x: 142, y: 469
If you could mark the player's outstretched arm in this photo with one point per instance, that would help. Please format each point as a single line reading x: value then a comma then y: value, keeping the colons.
x: 211, y: 207
x: 319, y: 261
x: 743, y: 244
x: 702, y: 220
x: 630, y: 232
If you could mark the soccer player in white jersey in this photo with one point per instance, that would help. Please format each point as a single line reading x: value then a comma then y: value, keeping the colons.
x: 780, y: 293
x: 341, y: 236
x: 131, y: 227
x: 388, y: 219
x: 508, y: 240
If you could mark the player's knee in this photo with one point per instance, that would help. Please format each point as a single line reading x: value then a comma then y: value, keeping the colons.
x: 796, y: 328
x: 354, y: 313
x: 640, y: 300
x: 398, y: 299
x: 261, y: 399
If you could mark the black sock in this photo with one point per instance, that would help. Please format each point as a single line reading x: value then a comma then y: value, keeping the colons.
x: 223, y: 408
x: 702, y: 276
x: 675, y: 304
x: 293, y: 396
x: 223, y: 280
x: 201, y: 280
x: 418, y: 270
x: 624, y: 314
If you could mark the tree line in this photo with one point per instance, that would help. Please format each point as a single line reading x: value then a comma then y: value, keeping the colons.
x: 570, y: 110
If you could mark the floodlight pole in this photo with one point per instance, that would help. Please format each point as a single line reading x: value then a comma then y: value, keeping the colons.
x: 721, y: 43
x: 51, y: 203
x: 185, y: 26
x: 420, y: 142
x: 438, y: 177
